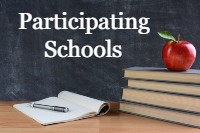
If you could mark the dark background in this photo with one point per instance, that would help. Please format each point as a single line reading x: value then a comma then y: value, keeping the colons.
x: 26, y: 75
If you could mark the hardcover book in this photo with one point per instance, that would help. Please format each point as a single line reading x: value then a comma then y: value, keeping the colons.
x: 175, y: 88
x: 165, y: 100
x: 162, y: 74
x: 168, y: 115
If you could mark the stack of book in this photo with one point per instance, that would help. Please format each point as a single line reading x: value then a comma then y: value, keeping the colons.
x: 161, y: 94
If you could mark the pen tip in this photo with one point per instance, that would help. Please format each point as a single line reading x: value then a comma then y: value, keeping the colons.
x: 66, y: 110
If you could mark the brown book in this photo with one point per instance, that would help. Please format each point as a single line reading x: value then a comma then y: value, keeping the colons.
x: 179, y: 88
x: 165, y: 100
x: 161, y: 114
x: 162, y: 74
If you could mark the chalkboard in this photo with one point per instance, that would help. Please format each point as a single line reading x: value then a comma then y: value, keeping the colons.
x: 26, y: 75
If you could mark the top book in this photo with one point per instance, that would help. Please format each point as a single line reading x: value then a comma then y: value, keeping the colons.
x: 162, y: 74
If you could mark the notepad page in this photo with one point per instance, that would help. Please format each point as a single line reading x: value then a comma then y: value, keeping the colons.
x: 87, y: 102
x: 46, y: 117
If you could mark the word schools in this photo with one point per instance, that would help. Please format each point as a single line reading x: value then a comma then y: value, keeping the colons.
x: 87, y: 51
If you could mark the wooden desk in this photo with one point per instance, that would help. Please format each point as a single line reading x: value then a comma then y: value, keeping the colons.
x: 13, y: 121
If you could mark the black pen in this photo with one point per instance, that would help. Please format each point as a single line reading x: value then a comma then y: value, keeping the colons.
x: 48, y: 107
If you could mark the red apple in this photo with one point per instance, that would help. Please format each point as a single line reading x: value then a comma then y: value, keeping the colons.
x: 178, y: 55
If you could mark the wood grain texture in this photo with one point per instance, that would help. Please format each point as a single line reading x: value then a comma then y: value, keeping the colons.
x: 13, y: 121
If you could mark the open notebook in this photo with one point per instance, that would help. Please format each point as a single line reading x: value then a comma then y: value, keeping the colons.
x: 79, y: 107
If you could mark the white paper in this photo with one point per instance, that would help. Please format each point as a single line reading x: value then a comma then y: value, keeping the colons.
x: 49, y: 117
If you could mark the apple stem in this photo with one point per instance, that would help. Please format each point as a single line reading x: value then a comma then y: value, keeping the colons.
x: 179, y: 36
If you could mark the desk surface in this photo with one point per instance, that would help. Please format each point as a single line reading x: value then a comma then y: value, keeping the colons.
x: 13, y: 121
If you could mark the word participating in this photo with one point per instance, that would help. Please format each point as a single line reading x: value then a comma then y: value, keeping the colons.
x: 85, y: 23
